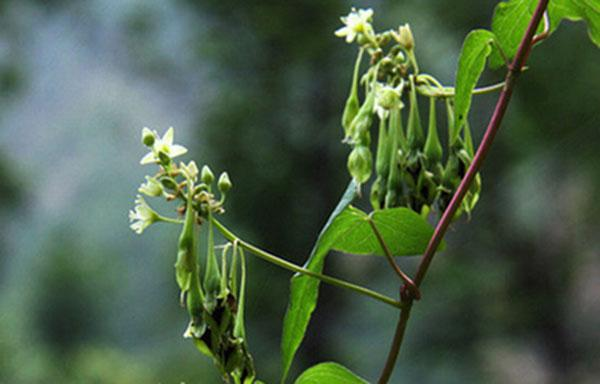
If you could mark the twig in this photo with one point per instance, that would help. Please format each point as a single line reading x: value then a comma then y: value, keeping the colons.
x: 388, y: 254
x: 296, y: 268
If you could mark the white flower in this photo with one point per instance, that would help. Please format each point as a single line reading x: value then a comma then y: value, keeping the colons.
x: 356, y: 22
x: 142, y: 216
x: 386, y: 99
x: 151, y: 187
x: 165, y: 146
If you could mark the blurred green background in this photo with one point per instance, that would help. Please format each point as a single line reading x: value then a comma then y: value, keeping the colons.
x: 257, y: 88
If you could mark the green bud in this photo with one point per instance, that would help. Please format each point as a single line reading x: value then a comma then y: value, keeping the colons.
x: 224, y: 183
x: 400, y: 58
x: 363, y: 119
x: 148, y: 137
x: 164, y: 158
x: 382, y: 163
x: 363, y: 41
x: 384, y: 38
x: 169, y: 183
x: 433, y: 147
x: 415, y: 130
x: 207, y: 175
x: 352, y: 104
x: 360, y: 163
x: 395, y: 141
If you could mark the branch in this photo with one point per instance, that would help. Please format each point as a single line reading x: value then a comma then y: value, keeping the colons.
x: 388, y: 254
x: 493, y: 126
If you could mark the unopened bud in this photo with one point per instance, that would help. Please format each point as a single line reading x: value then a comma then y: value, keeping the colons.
x: 207, y: 175
x: 224, y: 183
x: 164, y: 158
x: 405, y: 37
x: 169, y: 183
x: 360, y: 163
x: 148, y: 137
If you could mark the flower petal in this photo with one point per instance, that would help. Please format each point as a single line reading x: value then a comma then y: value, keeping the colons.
x: 177, y: 150
x: 343, y: 31
x: 168, y: 137
x: 148, y: 158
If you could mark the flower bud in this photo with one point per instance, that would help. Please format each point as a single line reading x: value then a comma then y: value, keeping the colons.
x: 190, y: 170
x: 415, y: 131
x: 433, y: 147
x: 363, y: 120
x: 164, y: 158
x: 224, y: 183
x: 207, y: 175
x: 360, y: 164
x: 169, y: 183
x: 148, y: 137
x: 405, y: 37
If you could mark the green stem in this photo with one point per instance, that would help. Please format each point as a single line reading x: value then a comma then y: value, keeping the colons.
x: 295, y: 268
x: 441, y: 91
x: 169, y: 220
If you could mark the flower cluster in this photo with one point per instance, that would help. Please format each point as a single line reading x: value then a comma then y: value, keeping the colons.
x: 173, y: 181
x: 409, y: 164
x: 214, y: 303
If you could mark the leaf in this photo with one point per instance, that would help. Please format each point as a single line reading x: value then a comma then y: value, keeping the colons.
x: 404, y: 231
x: 576, y: 10
x: 512, y: 17
x: 329, y: 373
x: 509, y: 23
x: 476, y: 49
x: 304, y: 290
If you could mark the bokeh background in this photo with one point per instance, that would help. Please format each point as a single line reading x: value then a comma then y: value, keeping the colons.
x: 257, y: 88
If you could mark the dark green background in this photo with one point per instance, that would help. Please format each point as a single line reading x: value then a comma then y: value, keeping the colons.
x: 257, y: 88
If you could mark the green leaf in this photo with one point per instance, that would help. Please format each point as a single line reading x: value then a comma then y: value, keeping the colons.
x: 509, y: 23
x: 404, y: 231
x: 512, y: 17
x: 304, y: 290
x: 329, y: 373
x: 576, y: 10
x: 476, y: 49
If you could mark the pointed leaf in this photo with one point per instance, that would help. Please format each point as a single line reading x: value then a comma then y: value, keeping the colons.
x: 329, y: 373
x: 475, y: 51
x: 304, y: 290
x: 509, y: 23
x: 404, y: 231
x: 576, y: 10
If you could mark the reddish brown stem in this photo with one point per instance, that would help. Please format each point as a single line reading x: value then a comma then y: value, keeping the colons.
x: 513, y: 71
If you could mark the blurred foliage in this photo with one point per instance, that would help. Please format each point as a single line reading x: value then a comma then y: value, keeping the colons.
x: 513, y: 299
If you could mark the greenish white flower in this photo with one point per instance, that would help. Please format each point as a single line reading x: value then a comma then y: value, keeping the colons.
x: 386, y: 99
x: 163, y: 146
x: 190, y: 170
x: 404, y: 37
x: 142, y: 215
x: 151, y: 187
x: 356, y: 22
